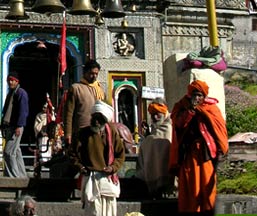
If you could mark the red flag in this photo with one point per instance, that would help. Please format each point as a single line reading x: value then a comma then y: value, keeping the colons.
x: 62, y: 51
x: 50, y: 109
x: 61, y: 108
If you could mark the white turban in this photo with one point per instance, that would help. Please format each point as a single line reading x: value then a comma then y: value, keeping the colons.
x: 103, y: 108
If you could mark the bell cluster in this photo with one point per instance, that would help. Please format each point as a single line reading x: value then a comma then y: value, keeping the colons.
x: 112, y: 9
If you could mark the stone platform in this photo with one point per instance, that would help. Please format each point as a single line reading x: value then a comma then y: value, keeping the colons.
x: 74, y: 208
x: 58, y: 198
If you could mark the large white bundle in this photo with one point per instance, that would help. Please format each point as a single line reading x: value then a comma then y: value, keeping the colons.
x: 176, y: 81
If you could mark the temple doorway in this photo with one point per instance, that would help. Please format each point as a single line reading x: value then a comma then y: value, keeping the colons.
x: 37, y: 67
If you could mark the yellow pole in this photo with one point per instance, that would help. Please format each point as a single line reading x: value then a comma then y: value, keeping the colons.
x: 136, y: 137
x: 212, y: 23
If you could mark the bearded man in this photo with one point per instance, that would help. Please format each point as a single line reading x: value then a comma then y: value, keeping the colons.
x: 152, y: 164
x: 199, y: 134
x: 101, y: 155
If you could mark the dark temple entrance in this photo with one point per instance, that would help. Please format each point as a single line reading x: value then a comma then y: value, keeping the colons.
x: 37, y: 67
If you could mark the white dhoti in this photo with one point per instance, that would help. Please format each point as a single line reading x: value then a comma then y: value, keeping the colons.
x: 96, y: 204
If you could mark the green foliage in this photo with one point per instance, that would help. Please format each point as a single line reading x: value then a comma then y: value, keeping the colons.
x: 238, y: 182
x: 241, y: 120
x: 241, y: 110
x: 241, y: 116
x: 251, y: 89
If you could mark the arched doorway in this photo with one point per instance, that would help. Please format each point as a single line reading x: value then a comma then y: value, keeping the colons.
x: 126, y: 111
x: 38, y: 71
x: 126, y: 104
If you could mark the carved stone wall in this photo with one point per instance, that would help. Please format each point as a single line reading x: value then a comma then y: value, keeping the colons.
x: 147, y: 57
x: 181, y: 27
x: 244, y: 43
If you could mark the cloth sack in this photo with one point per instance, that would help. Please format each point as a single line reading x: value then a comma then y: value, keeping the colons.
x: 98, y: 185
x: 91, y: 191
x: 108, y: 188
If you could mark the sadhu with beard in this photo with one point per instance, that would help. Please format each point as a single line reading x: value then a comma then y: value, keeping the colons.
x: 199, y: 135
x: 101, y: 154
x: 152, y: 164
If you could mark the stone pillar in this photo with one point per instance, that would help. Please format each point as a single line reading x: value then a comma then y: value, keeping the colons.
x: 176, y: 81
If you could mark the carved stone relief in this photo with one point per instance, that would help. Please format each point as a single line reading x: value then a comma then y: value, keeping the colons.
x: 124, y: 44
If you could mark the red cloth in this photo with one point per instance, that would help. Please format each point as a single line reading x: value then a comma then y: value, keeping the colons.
x: 49, y: 110
x: 213, y: 117
x: 197, y: 176
x: 62, y: 51
x: 114, y: 177
x: 61, y: 108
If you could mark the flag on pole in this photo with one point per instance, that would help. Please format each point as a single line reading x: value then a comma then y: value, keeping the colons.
x: 62, y: 51
x: 50, y: 112
x: 59, y: 118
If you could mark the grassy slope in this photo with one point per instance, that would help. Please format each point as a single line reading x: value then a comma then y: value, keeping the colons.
x: 237, y: 178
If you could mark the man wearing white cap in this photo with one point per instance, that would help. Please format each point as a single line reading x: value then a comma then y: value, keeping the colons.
x: 102, y: 154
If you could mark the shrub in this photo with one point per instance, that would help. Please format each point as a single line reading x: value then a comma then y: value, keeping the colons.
x: 233, y: 180
x: 241, y: 111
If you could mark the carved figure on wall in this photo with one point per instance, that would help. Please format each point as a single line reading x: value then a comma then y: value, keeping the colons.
x: 123, y: 46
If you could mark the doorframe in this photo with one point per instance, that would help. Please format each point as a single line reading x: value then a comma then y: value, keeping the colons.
x: 138, y: 79
x: 27, y: 38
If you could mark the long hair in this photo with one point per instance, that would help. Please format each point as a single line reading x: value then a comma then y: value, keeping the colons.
x: 17, y: 208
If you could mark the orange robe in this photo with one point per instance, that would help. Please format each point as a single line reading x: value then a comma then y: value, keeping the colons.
x: 197, y: 139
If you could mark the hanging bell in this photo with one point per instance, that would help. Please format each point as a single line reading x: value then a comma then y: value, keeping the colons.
x: 99, y: 20
x: 124, y: 23
x: 16, y: 10
x: 133, y: 8
x: 48, y: 6
x: 113, y: 9
x: 82, y: 7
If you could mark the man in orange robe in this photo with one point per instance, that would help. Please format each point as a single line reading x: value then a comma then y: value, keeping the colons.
x: 199, y: 135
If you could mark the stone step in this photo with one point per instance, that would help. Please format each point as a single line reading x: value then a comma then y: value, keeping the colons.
x: 74, y: 208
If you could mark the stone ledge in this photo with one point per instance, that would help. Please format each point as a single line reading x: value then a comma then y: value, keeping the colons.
x: 147, y: 207
x: 7, y: 182
x: 226, y: 204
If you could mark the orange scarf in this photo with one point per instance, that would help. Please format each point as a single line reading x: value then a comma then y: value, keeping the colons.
x: 154, y: 108
x: 97, y: 88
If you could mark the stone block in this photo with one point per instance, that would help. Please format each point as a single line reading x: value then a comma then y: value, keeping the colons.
x: 176, y: 81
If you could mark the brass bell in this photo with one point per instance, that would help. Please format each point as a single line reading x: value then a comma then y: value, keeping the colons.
x: 113, y: 9
x: 124, y: 23
x: 99, y: 20
x: 82, y: 7
x: 133, y: 8
x: 48, y: 6
x: 16, y: 10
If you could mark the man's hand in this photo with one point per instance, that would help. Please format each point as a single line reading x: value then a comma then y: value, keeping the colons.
x: 68, y: 140
x: 17, y: 131
x: 108, y: 169
x: 83, y: 170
